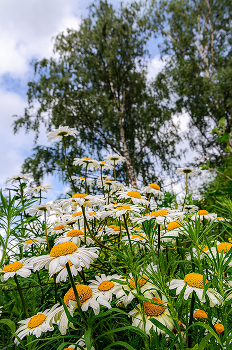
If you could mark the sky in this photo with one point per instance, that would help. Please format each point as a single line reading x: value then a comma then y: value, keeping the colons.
x: 27, y: 28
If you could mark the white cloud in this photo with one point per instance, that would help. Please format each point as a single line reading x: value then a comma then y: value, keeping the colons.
x: 155, y: 66
x: 27, y: 28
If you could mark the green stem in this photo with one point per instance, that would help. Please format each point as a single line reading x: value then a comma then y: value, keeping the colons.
x: 55, y: 287
x: 115, y: 177
x: 46, y: 231
x: 191, y: 320
x: 186, y: 189
x: 102, y: 183
x: 21, y: 296
x: 90, y: 232
x: 86, y: 186
x: 66, y: 163
x: 74, y: 287
x: 158, y: 240
x: 127, y: 231
x: 38, y: 276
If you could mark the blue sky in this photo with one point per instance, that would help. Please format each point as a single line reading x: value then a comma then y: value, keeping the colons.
x: 27, y: 28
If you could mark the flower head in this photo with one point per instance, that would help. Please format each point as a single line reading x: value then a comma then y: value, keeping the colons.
x: 61, y: 132
x: 186, y: 171
x: 114, y: 159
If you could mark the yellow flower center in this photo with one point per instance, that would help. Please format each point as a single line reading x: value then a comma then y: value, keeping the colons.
x: 203, y: 247
x: 202, y: 212
x: 117, y: 228
x: 42, y: 208
x: 88, y: 160
x: 160, y: 212
x: 134, y: 194
x: 102, y: 162
x: 105, y: 286
x: 92, y: 213
x: 195, y: 280
x: 58, y: 227
x: 219, y: 218
x: 201, y: 315
x: 36, y: 320
x: 142, y: 281
x: 155, y: 187
x: 31, y: 241
x: 123, y: 207
x: 187, y: 170
x: 219, y: 328
x: 224, y: 246
x: 63, y: 249
x: 15, y: 266
x: 112, y: 226
x: 137, y: 236
x: 77, y: 214
x: 62, y: 133
x: 173, y: 225
x: 79, y: 195
x: 114, y: 158
x: 84, y: 293
x: 152, y: 309
x: 75, y: 233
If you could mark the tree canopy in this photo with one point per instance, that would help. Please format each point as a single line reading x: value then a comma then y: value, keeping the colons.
x: 98, y: 85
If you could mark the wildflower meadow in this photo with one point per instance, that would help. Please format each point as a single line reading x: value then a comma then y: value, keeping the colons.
x: 110, y: 266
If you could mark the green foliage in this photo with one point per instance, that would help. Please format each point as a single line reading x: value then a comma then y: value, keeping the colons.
x: 98, y: 85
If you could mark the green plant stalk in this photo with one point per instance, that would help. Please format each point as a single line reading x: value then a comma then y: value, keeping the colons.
x: 115, y: 177
x: 158, y: 240
x: 55, y: 287
x: 186, y: 189
x: 66, y: 163
x: 86, y: 186
x: 102, y: 183
x: 21, y: 296
x: 191, y: 319
x: 74, y: 289
x: 91, y: 233
x: 46, y: 231
x: 38, y: 276
x: 5, y: 245
x: 127, y: 231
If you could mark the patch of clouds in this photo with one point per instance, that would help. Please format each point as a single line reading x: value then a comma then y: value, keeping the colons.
x: 155, y: 66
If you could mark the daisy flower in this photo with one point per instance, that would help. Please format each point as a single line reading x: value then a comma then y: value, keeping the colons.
x: 104, y: 166
x: 221, y: 249
x: 138, y: 238
x: 190, y: 208
x: 114, y: 159
x: 81, y: 179
x: 90, y: 163
x: 152, y: 188
x: 200, y: 315
x: 36, y: 325
x: 39, y: 188
x: 59, y: 228
x: 19, y: 177
x: 105, y: 287
x: 128, y: 291
x: 158, y: 311
x: 80, y: 343
x: 62, y: 131
x: 195, y: 283
x: 186, y: 171
x: 88, y: 298
x: 134, y: 196
x: 204, y: 214
x: 61, y: 253
x: 63, y: 273
x: 37, y: 241
x: 114, y: 230
x: 40, y: 209
x: 111, y: 185
x: 20, y: 268
x: 75, y: 236
x: 160, y: 216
